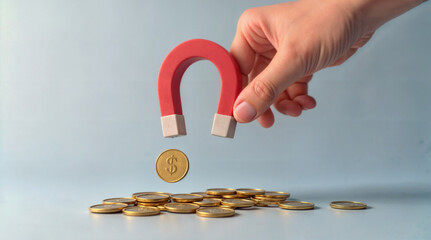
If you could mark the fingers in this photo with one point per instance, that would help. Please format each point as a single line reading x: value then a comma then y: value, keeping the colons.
x: 295, y: 99
x: 242, y: 52
x: 266, y: 120
x: 295, y: 107
x: 289, y: 107
x: 260, y: 65
x: 305, y: 101
x: 258, y: 96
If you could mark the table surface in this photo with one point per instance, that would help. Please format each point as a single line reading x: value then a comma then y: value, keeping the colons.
x: 80, y: 122
x: 393, y: 213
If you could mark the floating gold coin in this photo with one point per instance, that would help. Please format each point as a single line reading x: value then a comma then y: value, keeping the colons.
x: 237, y: 203
x: 141, y: 211
x: 221, y: 191
x: 274, y: 194
x: 152, y: 198
x: 249, y: 191
x: 127, y: 201
x: 107, y: 208
x: 142, y: 193
x: 296, y: 205
x: 208, y: 202
x: 348, y: 205
x: 215, y: 212
x: 186, y: 198
x: 172, y: 165
x: 235, y: 196
x: 181, y: 207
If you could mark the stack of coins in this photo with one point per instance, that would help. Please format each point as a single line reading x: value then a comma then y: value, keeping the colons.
x: 214, y: 202
x: 237, y: 203
x: 270, y: 198
x: 152, y: 199
x: 187, y: 198
x: 128, y: 201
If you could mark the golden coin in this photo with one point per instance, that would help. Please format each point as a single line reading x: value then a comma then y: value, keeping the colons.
x: 199, y: 193
x: 226, y: 206
x: 235, y: 196
x: 141, y: 193
x: 296, y: 205
x: 208, y: 202
x: 107, y: 208
x: 127, y: 201
x: 147, y: 204
x: 213, y: 196
x: 172, y: 165
x: 152, y: 198
x: 270, y: 199
x: 274, y: 194
x: 215, y: 212
x: 348, y: 205
x: 221, y: 191
x: 141, y: 211
x: 186, y: 198
x: 220, y: 199
x: 162, y: 208
x: 238, y: 203
x: 205, y: 195
x: 181, y: 207
x: 263, y: 203
x: 249, y: 191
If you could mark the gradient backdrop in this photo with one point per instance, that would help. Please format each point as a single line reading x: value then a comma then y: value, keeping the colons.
x: 80, y: 122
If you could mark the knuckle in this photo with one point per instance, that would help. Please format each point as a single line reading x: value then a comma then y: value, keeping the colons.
x: 249, y: 13
x: 248, y: 16
x: 265, y: 91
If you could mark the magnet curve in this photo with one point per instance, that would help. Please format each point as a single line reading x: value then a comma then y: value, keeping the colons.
x: 169, y: 79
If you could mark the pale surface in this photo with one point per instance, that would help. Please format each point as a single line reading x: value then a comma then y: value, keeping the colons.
x: 80, y: 122
x: 394, y: 213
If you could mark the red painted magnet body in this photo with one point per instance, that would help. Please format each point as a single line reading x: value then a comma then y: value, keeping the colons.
x: 169, y: 79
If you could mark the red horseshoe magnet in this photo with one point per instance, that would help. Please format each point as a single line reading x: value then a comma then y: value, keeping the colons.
x: 171, y: 72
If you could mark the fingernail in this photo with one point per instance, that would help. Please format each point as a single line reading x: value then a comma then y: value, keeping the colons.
x: 245, y: 112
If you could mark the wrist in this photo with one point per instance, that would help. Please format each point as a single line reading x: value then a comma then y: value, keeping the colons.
x: 374, y: 13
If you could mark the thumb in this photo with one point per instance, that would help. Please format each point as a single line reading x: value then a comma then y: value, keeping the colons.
x: 260, y: 94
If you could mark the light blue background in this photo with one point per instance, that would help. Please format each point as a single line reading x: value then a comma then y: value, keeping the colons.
x: 80, y: 122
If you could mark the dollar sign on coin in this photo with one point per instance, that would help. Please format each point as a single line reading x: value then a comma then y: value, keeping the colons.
x: 172, y: 167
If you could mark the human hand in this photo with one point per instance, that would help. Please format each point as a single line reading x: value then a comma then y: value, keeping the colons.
x: 279, y: 47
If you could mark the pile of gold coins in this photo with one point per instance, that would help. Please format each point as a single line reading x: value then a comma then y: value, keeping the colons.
x: 214, y: 202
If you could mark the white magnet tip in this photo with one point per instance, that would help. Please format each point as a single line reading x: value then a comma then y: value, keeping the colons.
x: 223, y: 126
x: 173, y: 125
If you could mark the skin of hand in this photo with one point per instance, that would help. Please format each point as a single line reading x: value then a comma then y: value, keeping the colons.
x: 279, y: 47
